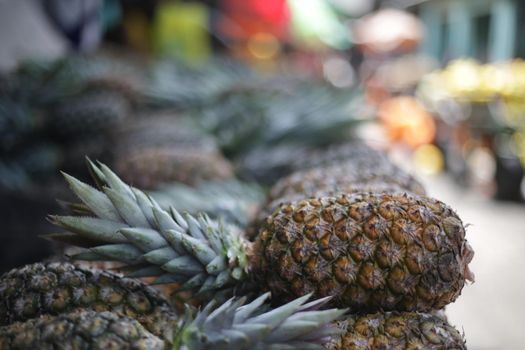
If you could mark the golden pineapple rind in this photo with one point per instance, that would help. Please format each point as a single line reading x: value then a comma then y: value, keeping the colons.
x: 55, y: 288
x: 396, y: 331
x: 370, y: 251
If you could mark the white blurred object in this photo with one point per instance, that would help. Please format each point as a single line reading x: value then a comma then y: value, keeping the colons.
x: 339, y: 72
x: 388, y: 30
x: 25, y: 32
x: 482, y: 165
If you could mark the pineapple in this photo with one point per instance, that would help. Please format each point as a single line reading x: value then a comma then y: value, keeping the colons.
x: 151, y: 166
x: 356, y: 152
x: 370, y: 251
x: 341, y: 178
x: 270, y: 163
x: 55, y: 288
x: 79, y: 330
x: 357, y: 187
x: 396, y: 330
x: 233, y: 325
x: 86, y: 114
x: 161, y: 129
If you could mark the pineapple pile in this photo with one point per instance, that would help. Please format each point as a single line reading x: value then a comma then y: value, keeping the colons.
x: 389, y: 255
x: 344, y: 251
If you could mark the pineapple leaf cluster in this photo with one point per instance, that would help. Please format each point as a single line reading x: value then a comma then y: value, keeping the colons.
x: 237, y: 325
x: 124, y: 224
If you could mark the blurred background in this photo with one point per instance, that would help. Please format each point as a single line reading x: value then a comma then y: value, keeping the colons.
x: 206, y: 103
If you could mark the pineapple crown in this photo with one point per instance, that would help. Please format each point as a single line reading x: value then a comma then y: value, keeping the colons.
x: 236, y: 325
x: 232, y: 200
x: 117, y: 222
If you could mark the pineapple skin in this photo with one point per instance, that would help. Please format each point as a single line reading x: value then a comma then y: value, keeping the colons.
x: 396, y: 331
x: 149, y: 167
x: 86, y: 330
x: 342, y: 178
x: 87, y: 114
x: 370, y: 251
x: 357, y: 187
x: 56, y: 288
x: 355, y: 152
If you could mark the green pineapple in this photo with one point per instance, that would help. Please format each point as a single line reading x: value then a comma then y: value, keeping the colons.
x: 233, y: 325
x: 100, y: 72
x: 370, y: 251
x: 86, y: 114
x: 397, y: 330
x: 56, y: 288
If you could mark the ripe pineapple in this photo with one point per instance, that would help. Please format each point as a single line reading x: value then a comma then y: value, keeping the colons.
x: 342, y: 178
x: 55, y: 288
x: 357, y: 187
x: 231, y: 326
x: 79, y: 330
x: 369, y: 251
x: 151, y: 166
x: 397, y: 330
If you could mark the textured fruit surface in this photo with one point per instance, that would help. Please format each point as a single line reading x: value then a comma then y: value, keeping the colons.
x: 149, y: 167
x: 157, y: 129
x: 87, y: 330
x: 341, y: 178
x: 86, y: 114
x: 55, y: 288
x: 357, y: 187
x: 397, y: 331
x: 356, y: 152
x: 369, y: 251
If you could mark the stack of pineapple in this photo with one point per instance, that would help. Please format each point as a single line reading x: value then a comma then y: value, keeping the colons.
x: 350, y: 229
x: 344, y: 226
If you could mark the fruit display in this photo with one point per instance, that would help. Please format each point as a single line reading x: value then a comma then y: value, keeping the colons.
x: 401, y: 251
x: 244, y: 200
x: 232, y: 325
